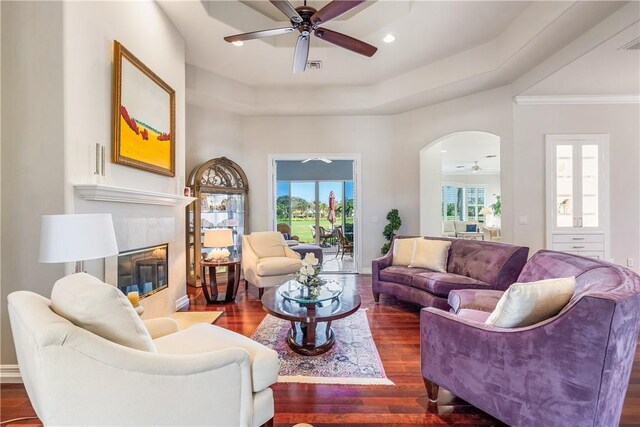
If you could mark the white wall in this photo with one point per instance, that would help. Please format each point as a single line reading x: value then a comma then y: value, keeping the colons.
x: 371, y: 136
x: 89, y: 31
x: 621, y: 122
x: 32, y: 156
x: 56, y: 104
x: 489, y: 111
x: 430, y: 190
x: 212, y: 133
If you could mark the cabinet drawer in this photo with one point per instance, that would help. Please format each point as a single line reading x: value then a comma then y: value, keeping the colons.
x: 578, y: 246
x: 592, y: 254
x: 582, y: 238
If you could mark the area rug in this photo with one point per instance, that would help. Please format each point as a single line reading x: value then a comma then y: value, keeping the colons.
x: 188, y: 318
x: 353, y: 359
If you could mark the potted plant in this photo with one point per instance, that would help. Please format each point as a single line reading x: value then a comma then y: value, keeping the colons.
x: 496, y: 207
x: 389, y: 230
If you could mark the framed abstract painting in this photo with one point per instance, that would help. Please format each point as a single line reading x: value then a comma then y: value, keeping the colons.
x: 143, y: 116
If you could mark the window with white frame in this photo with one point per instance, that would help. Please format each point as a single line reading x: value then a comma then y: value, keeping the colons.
x: 463, y: 202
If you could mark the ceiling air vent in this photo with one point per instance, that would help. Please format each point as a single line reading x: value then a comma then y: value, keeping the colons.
x: 314, y: 64
x: 632, y: 45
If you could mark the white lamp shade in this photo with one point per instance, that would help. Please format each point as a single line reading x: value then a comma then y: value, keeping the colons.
x: 76, y: 237
x: 219, y: 238
x: 485, y: 211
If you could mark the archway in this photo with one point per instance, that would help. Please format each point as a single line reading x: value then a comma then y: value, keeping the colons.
x: 460, y: 184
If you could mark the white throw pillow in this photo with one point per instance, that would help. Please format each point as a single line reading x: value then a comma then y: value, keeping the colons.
x: 402, y: 251
x: 430, y: 254
x: 525, y: 304
x: 98, y: 307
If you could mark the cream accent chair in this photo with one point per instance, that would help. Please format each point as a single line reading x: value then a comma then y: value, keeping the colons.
x: 267, y: 260
x: 75, y: 375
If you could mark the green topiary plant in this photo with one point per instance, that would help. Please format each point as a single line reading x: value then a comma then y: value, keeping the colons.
x: 497, y: 206
x: 389, y: 230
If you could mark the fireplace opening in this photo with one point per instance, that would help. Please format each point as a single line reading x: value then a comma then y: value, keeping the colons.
x: 143, y: 270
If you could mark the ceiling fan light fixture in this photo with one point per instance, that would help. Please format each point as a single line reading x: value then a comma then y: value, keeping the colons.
x: 389, y: 38
x: 237, y: 43
x: 475, y: 168
x: 321, y: 159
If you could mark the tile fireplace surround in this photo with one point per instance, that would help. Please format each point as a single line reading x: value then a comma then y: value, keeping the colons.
x: 142, y: 219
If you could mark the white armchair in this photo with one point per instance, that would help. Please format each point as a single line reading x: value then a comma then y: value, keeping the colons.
x: 267, y: 260
x: 74, y: 375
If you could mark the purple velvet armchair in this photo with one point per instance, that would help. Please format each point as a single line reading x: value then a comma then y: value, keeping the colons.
x: 570, y: 370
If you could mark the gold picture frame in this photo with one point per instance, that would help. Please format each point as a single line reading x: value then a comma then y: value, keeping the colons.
x: 144, y: 117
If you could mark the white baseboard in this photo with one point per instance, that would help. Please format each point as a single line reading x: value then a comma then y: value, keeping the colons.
x: 10, y: 374
x: 182, y: 302
x: 366, y: 270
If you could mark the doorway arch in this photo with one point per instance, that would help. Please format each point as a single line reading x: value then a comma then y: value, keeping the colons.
x: 464, y: 167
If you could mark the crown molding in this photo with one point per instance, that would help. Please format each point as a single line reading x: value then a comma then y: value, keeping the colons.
x: 576, y: 99
x: 110, y: 193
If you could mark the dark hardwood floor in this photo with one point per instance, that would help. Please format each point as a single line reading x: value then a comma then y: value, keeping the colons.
x: 395, y: 327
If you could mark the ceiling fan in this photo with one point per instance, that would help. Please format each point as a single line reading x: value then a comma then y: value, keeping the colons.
x: 307, y: 20
x: 322, y: 159
x: 475, y: 168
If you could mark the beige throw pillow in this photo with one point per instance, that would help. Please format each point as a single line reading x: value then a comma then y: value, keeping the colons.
x: 267, y: 244
x: 525, y: 304
x: 430, y: 254
x: 403, y: 251
x: 100, y: 308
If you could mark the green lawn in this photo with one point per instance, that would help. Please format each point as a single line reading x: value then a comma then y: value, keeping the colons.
x: 300, y: 228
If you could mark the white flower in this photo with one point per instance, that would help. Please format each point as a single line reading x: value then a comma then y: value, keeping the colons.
x: 310, y: 259
x: 308, y: 270
x: 302, y: 278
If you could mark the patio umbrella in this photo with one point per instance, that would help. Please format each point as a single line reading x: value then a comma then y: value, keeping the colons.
x: 332, y: 208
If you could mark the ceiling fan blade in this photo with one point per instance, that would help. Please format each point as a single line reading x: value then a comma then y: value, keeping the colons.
x: 285, y: 7
x: 301, y: 54
x: 346, y: 42
x: 333, y: 10
x: 258, y: 34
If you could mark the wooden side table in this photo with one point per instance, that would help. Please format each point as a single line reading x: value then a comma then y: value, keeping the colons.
x: 210, y: 290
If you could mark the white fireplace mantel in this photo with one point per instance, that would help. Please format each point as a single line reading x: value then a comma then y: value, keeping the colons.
x: 110, y: 193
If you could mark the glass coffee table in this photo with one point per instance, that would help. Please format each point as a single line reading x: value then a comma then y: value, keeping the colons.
x: 311, y: 314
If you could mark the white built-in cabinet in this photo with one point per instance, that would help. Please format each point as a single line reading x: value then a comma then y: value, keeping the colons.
x: 577, y: 199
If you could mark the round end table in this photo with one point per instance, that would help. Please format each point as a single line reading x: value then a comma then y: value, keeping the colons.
x: 210, y: 290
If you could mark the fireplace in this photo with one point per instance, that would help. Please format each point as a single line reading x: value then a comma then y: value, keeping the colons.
x: 143, y: 270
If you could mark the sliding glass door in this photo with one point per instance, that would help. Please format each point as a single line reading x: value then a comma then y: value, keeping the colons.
x: 320, y: 213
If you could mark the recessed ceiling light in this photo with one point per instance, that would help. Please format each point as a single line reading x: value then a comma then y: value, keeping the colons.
x: 443, y: 151
x: 237, y: 43
x: 389, y: 38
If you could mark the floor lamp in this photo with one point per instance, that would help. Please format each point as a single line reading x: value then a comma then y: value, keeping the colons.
x: 77, y: 238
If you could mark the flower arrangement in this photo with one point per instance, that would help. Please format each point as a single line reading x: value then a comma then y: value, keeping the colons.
x: 310, y: 271
x: 218, y: 255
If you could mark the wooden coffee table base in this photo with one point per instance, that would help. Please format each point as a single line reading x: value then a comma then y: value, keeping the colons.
x: 308, y: 341
x: 310, y: 333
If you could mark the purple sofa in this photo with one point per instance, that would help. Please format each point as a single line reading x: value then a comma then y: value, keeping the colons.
x: 570, y: 370
x: 472, y: 264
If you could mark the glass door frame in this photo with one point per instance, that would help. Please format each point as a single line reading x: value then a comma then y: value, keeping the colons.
x: 357, y: 191
x: 317, y: 214
x: 577, y: 141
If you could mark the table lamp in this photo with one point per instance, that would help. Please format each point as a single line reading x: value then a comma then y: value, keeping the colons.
x: 218, y: 239
x: 77, y: 238
x: 485, y: 211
